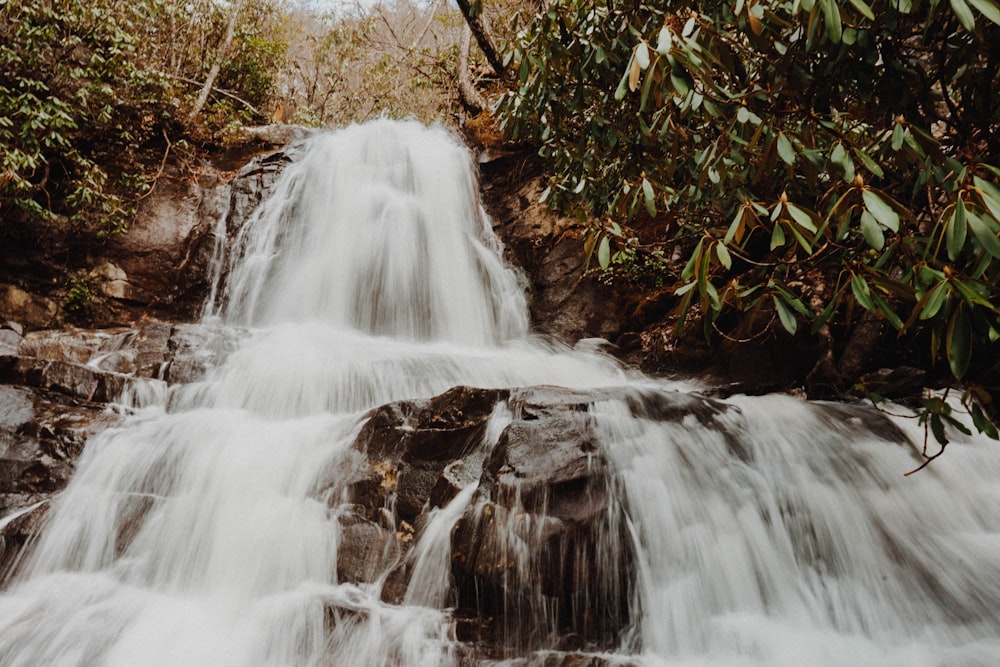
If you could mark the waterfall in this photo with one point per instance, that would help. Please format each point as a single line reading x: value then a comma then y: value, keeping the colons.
x: 205, y: 530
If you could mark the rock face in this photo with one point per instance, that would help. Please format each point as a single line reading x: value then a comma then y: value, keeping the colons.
x: 536, y: 531
x: 565, y: 303
x: 55, y: 387
x: 539, y: 560
x: 51, y: 273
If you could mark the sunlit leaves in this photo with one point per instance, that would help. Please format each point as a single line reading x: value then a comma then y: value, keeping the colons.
x: 792, y: 144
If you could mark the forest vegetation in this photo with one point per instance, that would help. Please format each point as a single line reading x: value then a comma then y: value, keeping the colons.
x: 801, y: 168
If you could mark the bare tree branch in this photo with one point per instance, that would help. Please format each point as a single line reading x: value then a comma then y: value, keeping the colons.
x: 472, y: 12
x: 220, y: 56
x: 220, y: 91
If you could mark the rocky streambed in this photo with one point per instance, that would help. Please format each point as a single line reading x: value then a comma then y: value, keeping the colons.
x: 534, y: 527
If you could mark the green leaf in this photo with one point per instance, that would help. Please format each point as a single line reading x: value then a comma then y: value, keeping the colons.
x: 664, y: 41
x: 982, y: 422
x: 734, y: 226
x: 785, y: 149
x: 604, y: 252
x: 838, y: 154
x: 777, y: 237
x: 831, y: 14
x: 724, y: 257
x: 937, y: 428
x: 887, y: 312
x: 684, y: 289
x: 971, y: 296
x: 872, y: 231
x: 691, y: 263
x: 649, y: 197
x: 863, y: 9
x: 786, y: 316
x: 897, y: 136
x: 988, y: 8
x: 956, y: 424
x: 802, y: 240
x: 862, y: 293
x: 986, y: 237
x: 934, y: 300
x: 958, y: 341
x: 869, y: 163
x: 882, y: 211
x: 622, y: 88
x: 990, y: 195
x: 956, y: 230
x: 679, y: 84
x: 802, y: 217
x: 792, y: 300
x: 964, y: 14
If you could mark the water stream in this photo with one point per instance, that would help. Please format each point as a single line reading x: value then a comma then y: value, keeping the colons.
x: 204, y: 531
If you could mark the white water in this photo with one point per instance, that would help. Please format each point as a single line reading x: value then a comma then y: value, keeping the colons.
x: 204, y: 531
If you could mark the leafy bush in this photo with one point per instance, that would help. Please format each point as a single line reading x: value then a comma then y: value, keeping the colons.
x: 820, y: 162
x: 73, y: 108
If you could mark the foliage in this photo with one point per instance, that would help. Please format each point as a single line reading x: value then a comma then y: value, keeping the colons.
x: 73, y: 106
x: 79, y: 292
x: 819, y: 161
x: 90, y: 91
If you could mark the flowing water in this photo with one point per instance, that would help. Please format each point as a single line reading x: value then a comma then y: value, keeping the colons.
x: 204, y: 531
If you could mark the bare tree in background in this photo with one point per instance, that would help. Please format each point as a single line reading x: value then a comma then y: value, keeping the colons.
x: 220, y: 58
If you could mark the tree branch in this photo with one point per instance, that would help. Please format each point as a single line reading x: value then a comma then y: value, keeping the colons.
x: 220, y: 91
x: 472, y: 12
x: 220, y: 56
x: 470, y: 96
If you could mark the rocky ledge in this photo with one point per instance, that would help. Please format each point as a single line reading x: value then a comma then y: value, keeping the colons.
x: 57, y: 389
x: 510, y: 486
x: 532, y: 522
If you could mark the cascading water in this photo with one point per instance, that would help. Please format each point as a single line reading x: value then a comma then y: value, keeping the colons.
x: 206, y: 529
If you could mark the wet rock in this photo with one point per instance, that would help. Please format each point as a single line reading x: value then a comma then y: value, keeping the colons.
x: 565, y: 659
x: 195, y: 348
x: 255, y: 181
x: 20, y: 524
x: 276, y: 134
x: 367, y: 551
x: 54, y: 387
x: 565, y: 302
x: 77, y: 380
x: 526, y: 552
x: 161, y: 263
x: 41, y: 436
x: 410, y: 443
x: 531, y: 548
x: 10, y: 338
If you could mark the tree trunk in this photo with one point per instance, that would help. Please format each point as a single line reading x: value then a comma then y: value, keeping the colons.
x: 470, y: 96
x: 474, y: 19
x: 220, y: 57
